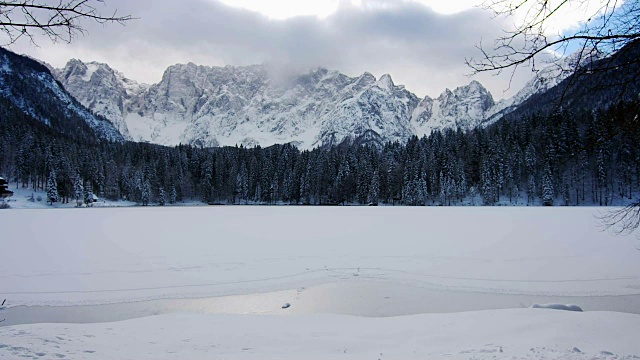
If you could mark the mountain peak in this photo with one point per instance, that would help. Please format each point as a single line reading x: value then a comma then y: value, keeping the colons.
x: 366, y: 79
x: 368, y: 75
x: 475, y: 84
x: 445, y: 94
x: 74, y: 61
x: 386, y: 82
x: 74, y: 66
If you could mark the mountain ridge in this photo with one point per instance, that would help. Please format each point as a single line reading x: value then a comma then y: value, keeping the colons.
x: 247, y: 105
x: 212, y: 106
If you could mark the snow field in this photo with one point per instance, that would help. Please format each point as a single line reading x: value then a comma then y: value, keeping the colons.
x: 497, y: 334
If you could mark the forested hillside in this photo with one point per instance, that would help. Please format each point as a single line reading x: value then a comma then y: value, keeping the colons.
x: 29, y: 86
x: 568, y: 158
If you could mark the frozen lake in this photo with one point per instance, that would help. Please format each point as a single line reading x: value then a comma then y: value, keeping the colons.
x: 96, y: 265
x: 357, y: 298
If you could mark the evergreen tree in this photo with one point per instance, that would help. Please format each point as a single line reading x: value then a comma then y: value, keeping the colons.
x: 490, y: 184
x: 305, y: 184
x: 531, y: 161
x: 421, y: 191
x: 78, y: 190
x: 531, y: 189
x: 161, y: 197
x: 88, y: 194
x: 52, y: 188
x: 146, y: 193
x: 374, y: 189
x: 173, y: 196
x: 408, y: 188
x: 548, y: 193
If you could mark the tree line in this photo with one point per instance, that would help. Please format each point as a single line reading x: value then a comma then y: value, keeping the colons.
x: 567, y: 158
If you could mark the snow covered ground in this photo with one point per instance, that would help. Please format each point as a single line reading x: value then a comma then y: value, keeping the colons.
x: 22, y: 199
x: 502, y: 334
x: 210, y: 274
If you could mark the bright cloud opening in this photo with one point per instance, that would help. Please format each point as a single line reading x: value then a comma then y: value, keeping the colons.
x: 284, y: 9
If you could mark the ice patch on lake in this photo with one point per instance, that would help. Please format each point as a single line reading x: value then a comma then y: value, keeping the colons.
x: 557, y: 307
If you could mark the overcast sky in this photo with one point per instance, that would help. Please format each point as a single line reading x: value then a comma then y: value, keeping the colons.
x: 420, y: 43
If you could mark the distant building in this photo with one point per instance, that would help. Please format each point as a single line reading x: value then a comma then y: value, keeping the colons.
x: 90, y: 199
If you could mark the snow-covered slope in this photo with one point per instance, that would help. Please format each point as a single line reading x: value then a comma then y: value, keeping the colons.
x: 30, y: 86
x: 211, y: 106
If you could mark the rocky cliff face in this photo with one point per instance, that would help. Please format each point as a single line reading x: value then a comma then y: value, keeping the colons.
x: 101, y: 89
x: 466, y: 107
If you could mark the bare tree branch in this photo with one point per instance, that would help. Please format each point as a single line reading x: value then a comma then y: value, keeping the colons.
x: 60, y: 20
x: 611, y: 25
x: 2, y: 307
x: 622, y: 221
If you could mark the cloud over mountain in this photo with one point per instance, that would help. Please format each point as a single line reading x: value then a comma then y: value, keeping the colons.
x: 419, y: 47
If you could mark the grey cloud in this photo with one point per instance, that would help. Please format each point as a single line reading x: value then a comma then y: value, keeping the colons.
x: 418, y: 47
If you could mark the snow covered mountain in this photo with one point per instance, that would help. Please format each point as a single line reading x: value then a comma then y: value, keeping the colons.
x: 466, y: 107
x: 212, y: 106
x: 29, y: 86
